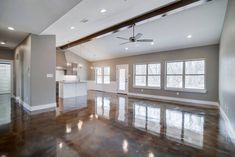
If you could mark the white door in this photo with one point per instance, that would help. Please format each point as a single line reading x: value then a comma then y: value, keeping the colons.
x: 122, y: 78
x: 5, y: 78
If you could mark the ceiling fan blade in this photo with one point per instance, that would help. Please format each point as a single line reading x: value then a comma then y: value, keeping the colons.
x: 139, y: 35
x: 125, y: 43
x: 122, y: 38
x: 145, y: 40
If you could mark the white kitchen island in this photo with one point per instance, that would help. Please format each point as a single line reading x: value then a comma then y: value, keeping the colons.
x: 70, y: 89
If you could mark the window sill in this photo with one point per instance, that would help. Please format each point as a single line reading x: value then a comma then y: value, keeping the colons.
x: 145, y: 87
x: 187, y: 90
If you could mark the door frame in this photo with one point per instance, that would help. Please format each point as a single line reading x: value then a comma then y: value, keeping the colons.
x: 126, y: 66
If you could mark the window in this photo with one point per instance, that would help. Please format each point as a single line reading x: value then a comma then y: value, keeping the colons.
x: 106, y: 75
x: 99, y: 75
x: 174, y: 75
x: 186, y: 75
x: 102, y: 75
x: 147, y: 75
x: 5, y: 78
x: 195, y: 74
x: 140, y: 75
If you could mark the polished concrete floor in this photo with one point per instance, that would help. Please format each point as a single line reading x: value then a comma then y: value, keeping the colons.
x: 107, y: 125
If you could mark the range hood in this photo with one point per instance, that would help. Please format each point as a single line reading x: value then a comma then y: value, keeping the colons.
x: 61, y: 63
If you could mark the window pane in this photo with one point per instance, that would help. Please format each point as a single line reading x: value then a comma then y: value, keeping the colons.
x: 175, y: 68
x: 154, y: 69
x: 154, y: 81
x: 106, y: 79
x: 174, y: 81
x: 99, y: 79
x: 140, y: 80
x: 194, y: 82
x: 106, y: 70
x: 98, y: 71
x: 195, y: 67
x: 140, y: 69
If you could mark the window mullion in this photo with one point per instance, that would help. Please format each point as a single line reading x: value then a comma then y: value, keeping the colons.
x: 183, y: 81
x: 146, y: 75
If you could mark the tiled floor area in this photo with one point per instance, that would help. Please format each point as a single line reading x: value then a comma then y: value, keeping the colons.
x: 107, y: 125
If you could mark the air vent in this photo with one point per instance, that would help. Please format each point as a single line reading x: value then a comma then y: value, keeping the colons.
x: 84, y: 21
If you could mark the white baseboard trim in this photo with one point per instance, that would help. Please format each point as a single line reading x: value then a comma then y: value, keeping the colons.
x: 228, y: 125
x: 193, y: 102
x: 39, y: 107
x: 44, y: 106
x: 34, y: 108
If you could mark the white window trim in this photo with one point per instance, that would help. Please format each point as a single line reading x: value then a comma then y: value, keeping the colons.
x: 183, y: 89
x: 102, y: 75
x: 146, y: 86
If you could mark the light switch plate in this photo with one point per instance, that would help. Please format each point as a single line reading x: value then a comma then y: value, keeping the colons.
x: 50, y: 75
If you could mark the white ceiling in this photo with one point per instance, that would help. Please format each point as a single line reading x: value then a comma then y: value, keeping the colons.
x: 117, y: 11
x: 29, y: 16
x: 203, y: 22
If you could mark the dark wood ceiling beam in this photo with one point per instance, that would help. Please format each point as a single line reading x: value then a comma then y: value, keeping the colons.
x: 130, y: 22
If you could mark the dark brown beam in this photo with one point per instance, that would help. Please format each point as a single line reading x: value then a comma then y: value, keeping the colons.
x: 130, y: 22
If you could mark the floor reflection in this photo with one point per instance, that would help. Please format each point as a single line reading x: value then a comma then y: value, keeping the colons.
x: 5, y: 109
x: 108, y: 125
x: 147, y: 118
x: 103, y: 107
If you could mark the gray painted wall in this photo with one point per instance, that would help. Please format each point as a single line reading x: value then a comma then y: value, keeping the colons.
x: 227, y: 65
x: 43, y: 62
x: 35, y: 57
x: 210, y: 53
x: 83, y: 72
x: 6, y: 54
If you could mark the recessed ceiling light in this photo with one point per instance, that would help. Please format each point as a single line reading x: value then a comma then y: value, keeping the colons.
x: 103, y: 10
x: 152, y: 43
x: 126, y: 48
x: 11, y: 28
x: 3, y: 43
x: 189, y: 36
x: 72, y: 27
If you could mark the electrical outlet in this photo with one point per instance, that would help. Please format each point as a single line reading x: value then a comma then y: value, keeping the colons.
x: 177, y: 93
x: 142, y: 90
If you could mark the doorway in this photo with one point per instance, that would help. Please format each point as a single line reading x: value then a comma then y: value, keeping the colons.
x: 122, y: 78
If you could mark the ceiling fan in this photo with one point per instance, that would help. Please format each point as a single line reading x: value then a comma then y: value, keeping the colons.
x: 134, y: 38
